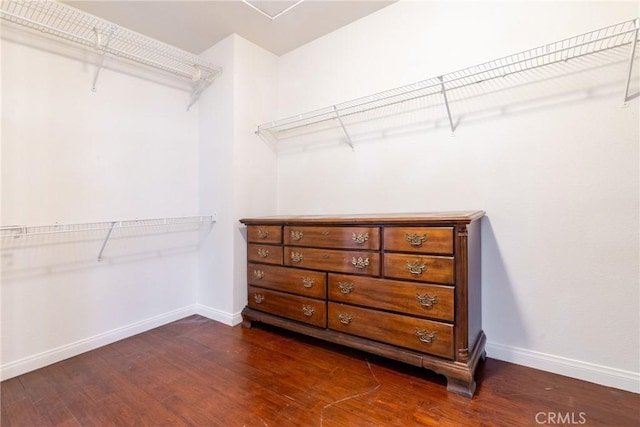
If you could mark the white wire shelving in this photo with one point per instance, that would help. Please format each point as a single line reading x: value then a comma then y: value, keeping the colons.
x: 65, y: 22
x: 607, y: 38
x: 103, y: 231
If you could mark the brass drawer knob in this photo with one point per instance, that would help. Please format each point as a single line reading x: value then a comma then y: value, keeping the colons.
x: 296, y: 235
x: 415, y: 240
x: 345, y: 287
x: 360, y: 262
x: 258, y: 298
x: 263, y: 253
x: 263, y: 234
x: 427, y: 301
x: 308, y: 282
x: 258, y: 274
x: 425, y: 336
x: 416, y: 268
x: 308, y: 310
x: 296, y: 256
x: 345, y: 318
x: 360, y: 238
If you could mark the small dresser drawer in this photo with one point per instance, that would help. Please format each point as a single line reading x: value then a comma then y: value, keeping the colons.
x: 415, y: 299
x: 293, y: 280
x: 405, y: 331
x: 437, y: 269
x: 367, y: 238
x: 435, y: 240
x: 264, y: 253
x: 294, y: 307
x: 264, y: 233
x: 333, y: 260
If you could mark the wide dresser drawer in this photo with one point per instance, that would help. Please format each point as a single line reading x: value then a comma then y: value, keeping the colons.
x: 294, y: 307
x: 404, y: 331
x: 356, y: 262
x: 264, y: 253
x: 435, y: 240
x: 367, y: 238
x: 286, y: 279
x: 416, y: 299
x: 437, y: 269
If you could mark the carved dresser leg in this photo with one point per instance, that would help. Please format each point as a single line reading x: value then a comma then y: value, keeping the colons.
x: 461, y: 387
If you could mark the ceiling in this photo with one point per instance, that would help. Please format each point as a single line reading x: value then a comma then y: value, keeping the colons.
x: 197, y: 25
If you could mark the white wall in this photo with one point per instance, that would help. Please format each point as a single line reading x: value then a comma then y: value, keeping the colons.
x: 69, y: 155
x: 553, y: 161
x: 237, y: 172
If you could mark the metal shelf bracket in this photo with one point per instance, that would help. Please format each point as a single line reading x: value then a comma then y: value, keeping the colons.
x: 106, y: 239
x: 446, y: 104
x: 344, y: 129
x: 625, y: 101
x: 103, y: 48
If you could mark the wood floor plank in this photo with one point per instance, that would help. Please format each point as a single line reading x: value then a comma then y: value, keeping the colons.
x: 197, y: 372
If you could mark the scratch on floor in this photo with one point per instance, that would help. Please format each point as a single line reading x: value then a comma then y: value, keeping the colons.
x: 354, y: 396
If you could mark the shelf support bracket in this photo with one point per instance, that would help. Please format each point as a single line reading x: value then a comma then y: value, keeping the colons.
x: 446, y: 104
x: 104, y: 52
x: 344, y: 129
x: 625, y: 101
x: 106, y: 239
x: 199, y: 87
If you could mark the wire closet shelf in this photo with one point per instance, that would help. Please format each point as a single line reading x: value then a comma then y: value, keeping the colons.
x: 68, y: 23
x: 614, y: 36
x: 106, y: 228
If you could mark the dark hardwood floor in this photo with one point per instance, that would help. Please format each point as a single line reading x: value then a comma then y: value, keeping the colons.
x: 201, y: 373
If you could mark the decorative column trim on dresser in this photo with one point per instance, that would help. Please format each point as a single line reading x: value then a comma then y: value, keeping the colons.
x: 402, y: 286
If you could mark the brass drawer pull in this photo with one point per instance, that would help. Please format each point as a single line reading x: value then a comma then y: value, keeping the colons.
x: 263, y: 253
x: 345, y: 318
x: 325, y: 256
x: 263, y: 234
x: 308, y: 282
x: 296, y: 235
x: 360, y: 262
x: 415, y: 240
x: 296, y: 256
x: 307, y: 310
x: 416, y: 268
x: 345, y: 287
x: 425, y: 336
x: 325, y: 232
x: 258, y: 274
x: 427, y: 301
x: 258, y: 298
x: 360, y: 238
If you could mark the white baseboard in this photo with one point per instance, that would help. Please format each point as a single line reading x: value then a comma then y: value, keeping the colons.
x: 27, y: 364
x: 230, y: 319
x: 603, y: 375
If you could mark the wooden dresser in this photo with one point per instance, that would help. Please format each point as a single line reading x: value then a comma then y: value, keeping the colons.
x: 406, y: 287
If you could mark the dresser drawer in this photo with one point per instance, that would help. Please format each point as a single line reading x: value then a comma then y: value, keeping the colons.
x: 438, y: 269
x: 286, y: 279
x: 414, y: 299
x: 333, y: 260
x: 294, y: 307
x: 264, y: 233
x: 271, y: 254
x: 436, y: 240
x: 405, y: 331
x: 367, y: 238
